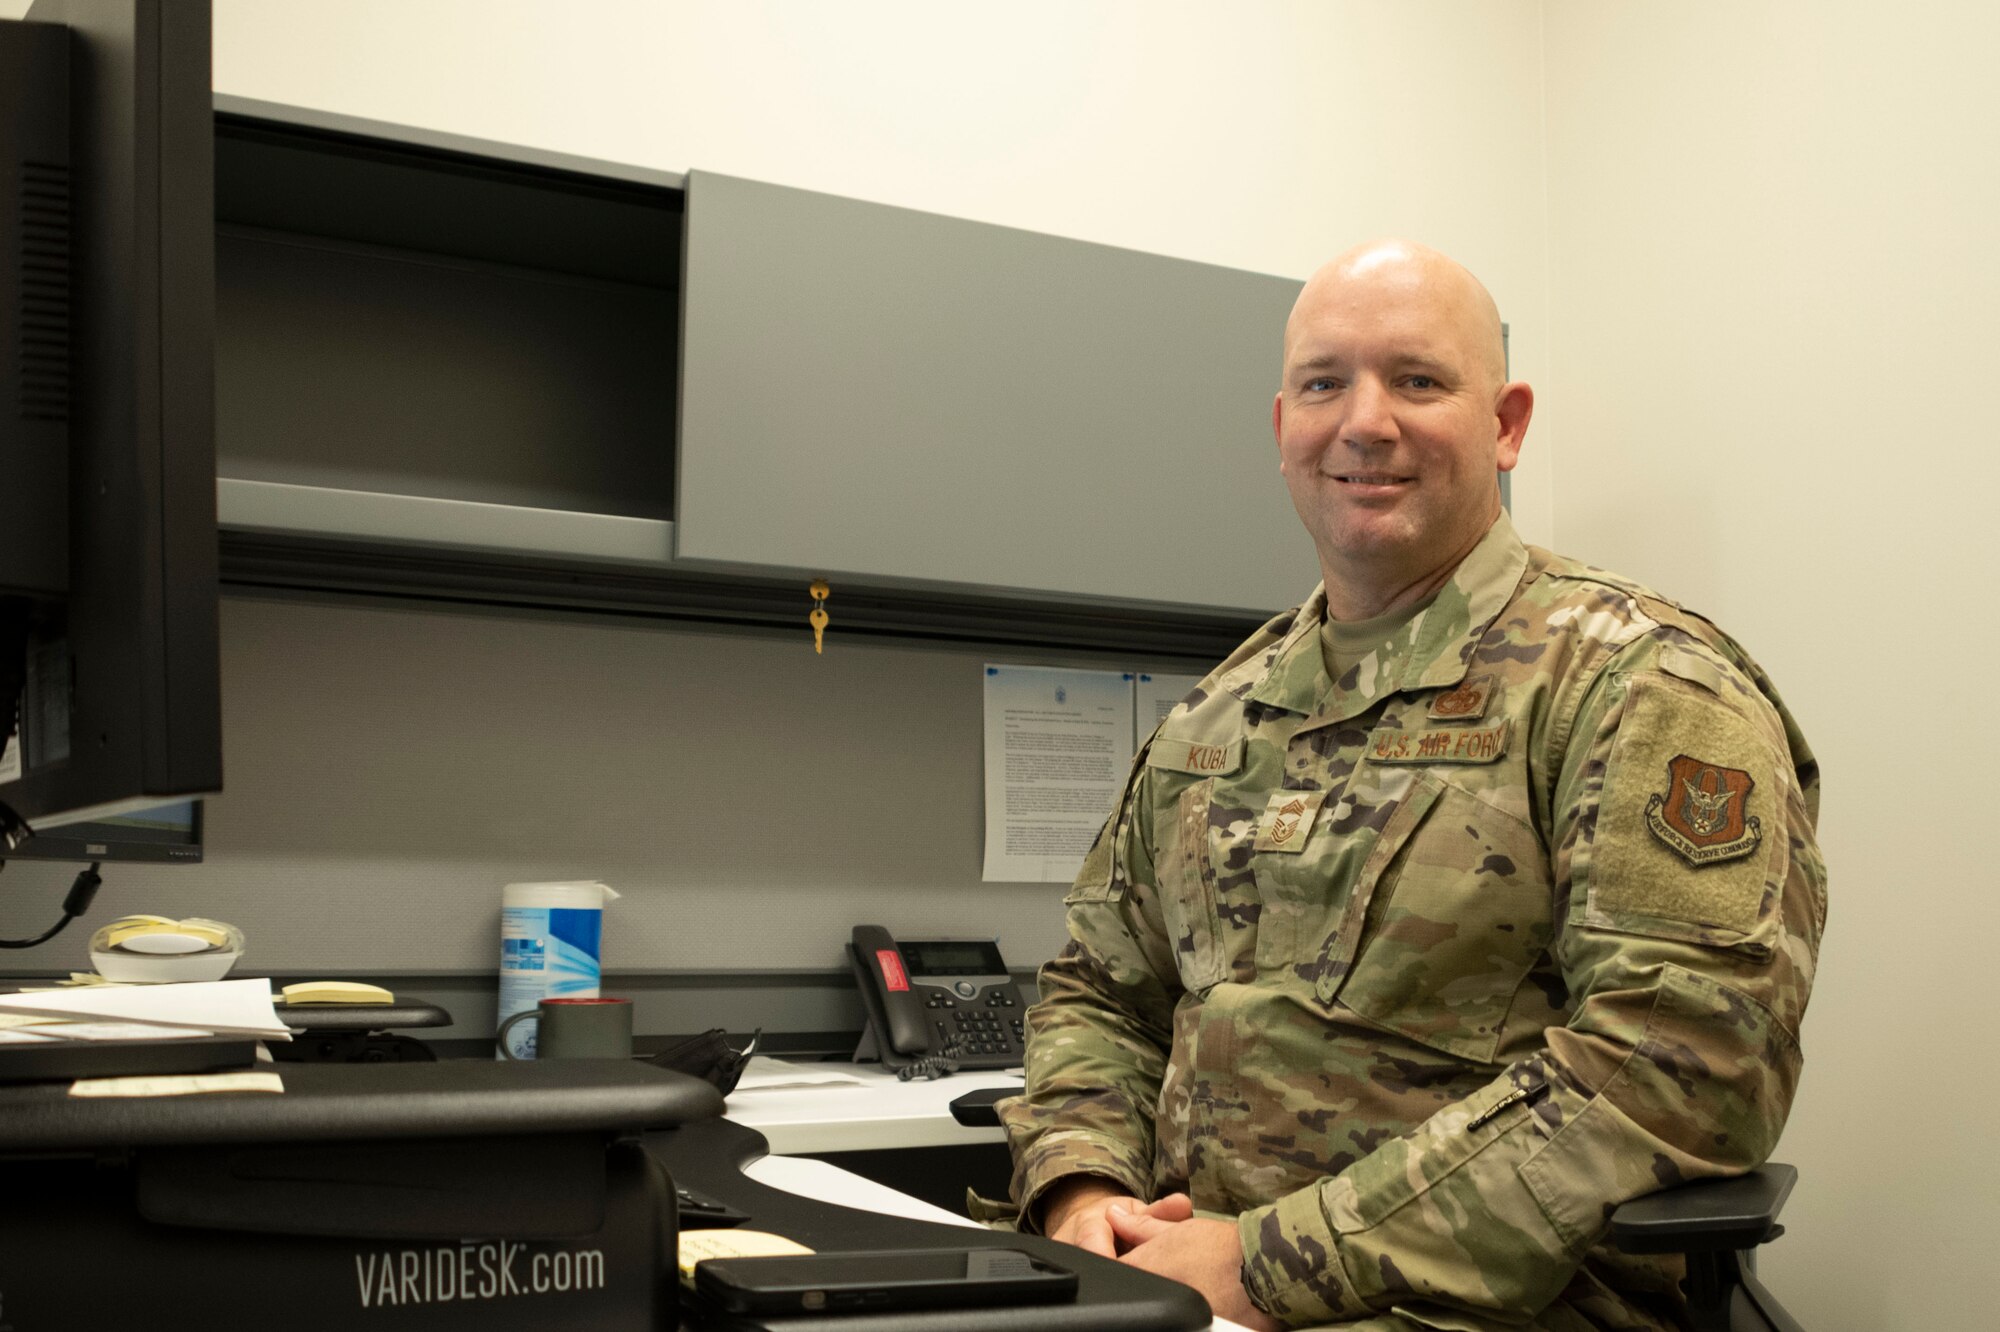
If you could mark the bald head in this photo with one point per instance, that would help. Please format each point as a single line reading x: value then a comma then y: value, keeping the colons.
x: 1392, y: 276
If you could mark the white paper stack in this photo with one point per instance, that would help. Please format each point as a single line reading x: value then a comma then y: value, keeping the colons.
x: 763, y: 1074
x: 112, y: 1012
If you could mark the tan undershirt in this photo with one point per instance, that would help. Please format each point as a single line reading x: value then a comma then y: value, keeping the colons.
x: 1342, y: 643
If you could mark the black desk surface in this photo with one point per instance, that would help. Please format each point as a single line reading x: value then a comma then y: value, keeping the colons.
x: 454, y: 1099
x: 398, y: 1016
x: 709, y: 1157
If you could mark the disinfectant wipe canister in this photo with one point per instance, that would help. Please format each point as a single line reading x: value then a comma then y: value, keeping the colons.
x: 549, y: 934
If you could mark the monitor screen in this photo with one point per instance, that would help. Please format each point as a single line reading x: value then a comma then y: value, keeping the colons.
x: 165, y: 833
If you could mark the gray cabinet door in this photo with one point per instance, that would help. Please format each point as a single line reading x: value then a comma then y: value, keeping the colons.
x: 890, y: 395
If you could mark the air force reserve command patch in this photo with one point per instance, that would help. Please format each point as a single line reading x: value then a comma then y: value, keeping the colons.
x: 1702, y: 813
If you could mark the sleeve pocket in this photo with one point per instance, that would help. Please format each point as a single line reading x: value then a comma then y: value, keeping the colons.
x: 1095, y: 881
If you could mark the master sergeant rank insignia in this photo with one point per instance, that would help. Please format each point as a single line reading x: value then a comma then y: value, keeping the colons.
x: 1288, y: 820
x: 1468, y: 702
x: 1701, y: 816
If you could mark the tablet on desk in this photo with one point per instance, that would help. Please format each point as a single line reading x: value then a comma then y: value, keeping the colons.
x: 882, y: 1280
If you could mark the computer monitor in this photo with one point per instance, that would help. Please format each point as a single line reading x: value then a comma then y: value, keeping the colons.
x: 165, y: 834
x: 108, y: 618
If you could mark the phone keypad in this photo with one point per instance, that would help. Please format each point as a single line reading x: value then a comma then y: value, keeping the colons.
x: 986, y: 1026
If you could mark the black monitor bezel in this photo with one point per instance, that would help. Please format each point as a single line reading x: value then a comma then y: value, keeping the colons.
x: 75, y: 842
x: 140, y: 611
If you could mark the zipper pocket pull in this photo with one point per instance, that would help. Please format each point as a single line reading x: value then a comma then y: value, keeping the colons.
x: 1519, y: 1096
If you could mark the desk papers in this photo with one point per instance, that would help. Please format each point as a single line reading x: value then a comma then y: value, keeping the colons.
x: 27, y: 1028
x: 184, y: 1084
x: 765, y: 1074
x: 222, y: 1008
x: 830, y: 1183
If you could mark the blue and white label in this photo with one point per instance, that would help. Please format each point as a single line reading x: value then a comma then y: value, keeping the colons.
x: 545, y: 953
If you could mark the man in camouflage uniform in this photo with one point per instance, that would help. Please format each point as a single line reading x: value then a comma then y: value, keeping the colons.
x: 1468, y: 900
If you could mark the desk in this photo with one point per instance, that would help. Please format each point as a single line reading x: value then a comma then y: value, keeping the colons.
x: 896, y: 1133
x: 827, y: 1209
x: 345, y: 1201
x: 355, y: 1189
x: 844, y: 1188
x: 879, y: 1113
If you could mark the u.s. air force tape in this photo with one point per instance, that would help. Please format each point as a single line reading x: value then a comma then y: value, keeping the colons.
x: 1439, y: 744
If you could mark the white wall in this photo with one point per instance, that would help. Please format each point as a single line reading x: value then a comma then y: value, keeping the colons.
x: 1773, y: 291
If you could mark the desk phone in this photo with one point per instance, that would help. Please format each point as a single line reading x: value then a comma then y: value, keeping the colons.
x: 937, y: 998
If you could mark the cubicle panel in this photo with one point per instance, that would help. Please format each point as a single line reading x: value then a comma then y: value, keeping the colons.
x: 392, y: 766
x: 886, y: 394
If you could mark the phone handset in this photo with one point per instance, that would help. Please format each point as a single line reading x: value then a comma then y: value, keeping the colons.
x: 877, y: 955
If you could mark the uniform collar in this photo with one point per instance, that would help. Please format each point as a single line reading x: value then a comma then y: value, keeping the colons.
x: 1432, y: 651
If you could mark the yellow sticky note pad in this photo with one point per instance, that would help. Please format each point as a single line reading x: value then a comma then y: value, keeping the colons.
x: 700, y: 1245
x: 201, y: 933
x: 336, y: 992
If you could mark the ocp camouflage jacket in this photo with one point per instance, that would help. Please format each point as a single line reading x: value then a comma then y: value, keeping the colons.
x: 1420, y: 972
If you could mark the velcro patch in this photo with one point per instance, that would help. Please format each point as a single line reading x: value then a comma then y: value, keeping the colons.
x: 1688, y: 793
x: 1438, y: 744
x: 1288, y: 820
x: 1691, y: 665
x: 1195, y: 757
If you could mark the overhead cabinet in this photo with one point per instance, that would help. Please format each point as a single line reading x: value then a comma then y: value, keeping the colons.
x: 423, y: 344
x: 429, y: 345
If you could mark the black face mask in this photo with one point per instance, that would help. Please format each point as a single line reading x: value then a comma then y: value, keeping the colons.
x: 709, y: 1057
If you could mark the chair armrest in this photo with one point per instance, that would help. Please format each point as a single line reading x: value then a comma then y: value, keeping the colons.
x: 1708, y: 1215
x: 975, y: 1108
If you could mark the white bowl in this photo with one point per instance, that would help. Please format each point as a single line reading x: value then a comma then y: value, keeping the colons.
x: 122, y: 966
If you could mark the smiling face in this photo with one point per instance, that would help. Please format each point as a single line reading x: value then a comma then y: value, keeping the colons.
x: 1393, y: 422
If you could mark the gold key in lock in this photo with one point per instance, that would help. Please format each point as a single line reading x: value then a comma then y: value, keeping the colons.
x: 817, y: 619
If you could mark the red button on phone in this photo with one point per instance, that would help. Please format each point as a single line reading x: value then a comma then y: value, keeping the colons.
x: 891, y: 963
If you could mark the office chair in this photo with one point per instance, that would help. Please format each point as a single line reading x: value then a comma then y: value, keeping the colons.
x: 1717, y: 1224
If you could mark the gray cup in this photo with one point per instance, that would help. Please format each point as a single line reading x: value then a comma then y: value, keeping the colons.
x: 576, y: 1029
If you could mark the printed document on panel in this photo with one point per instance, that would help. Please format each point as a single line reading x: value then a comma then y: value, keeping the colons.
x: 1058, y: 743
x: 1154, y: 697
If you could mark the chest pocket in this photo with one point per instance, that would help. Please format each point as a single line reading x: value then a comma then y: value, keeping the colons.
x: 1455, y: 909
